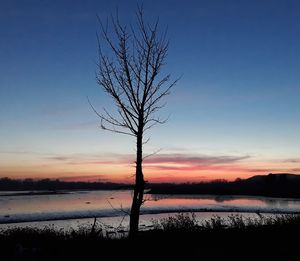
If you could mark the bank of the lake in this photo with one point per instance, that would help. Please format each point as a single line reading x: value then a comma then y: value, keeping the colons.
x: 180, y: 238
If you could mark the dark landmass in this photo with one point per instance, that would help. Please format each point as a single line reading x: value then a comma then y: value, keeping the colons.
x: 35, y: 193
x: 7, y: 184
x: 273, y: 185
x: 177, y: 239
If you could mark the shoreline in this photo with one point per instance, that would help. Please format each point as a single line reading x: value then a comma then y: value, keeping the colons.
x: 27, y: 218
x: 15, y: 193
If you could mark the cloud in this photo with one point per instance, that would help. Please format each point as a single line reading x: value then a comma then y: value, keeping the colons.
x: 295, y: 160
x: 23, y: 152
x: 208, y: 167
x: 295, y: 170
x: 194, y: 162
x: 93, y: 159
x: 193, y: 159
x: 265, y: 170
x: 183, y: 161
x: 102, y: 178
x: 178, y: 179
x: 274, y: 170
x: 59, y: 158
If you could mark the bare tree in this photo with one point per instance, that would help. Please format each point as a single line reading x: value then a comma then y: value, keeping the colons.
x: 130, y: 73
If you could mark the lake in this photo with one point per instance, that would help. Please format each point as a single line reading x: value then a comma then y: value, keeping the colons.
x: 76, y: 208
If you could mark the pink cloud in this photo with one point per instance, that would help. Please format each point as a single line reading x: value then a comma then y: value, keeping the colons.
x: 209, y: 167
x: 184, y: 161
x: 193, y: 159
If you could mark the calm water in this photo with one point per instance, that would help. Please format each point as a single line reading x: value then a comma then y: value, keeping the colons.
x: 77, y: 208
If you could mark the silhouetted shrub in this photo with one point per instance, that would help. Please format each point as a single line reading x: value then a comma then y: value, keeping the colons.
x: 216, y: 222
x: 181, y: 221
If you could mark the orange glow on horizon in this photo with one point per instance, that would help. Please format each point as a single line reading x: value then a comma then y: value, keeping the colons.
x: 173, y: 168
x: 125, y: 174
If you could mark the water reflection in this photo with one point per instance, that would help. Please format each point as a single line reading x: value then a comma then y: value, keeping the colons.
x: 209, y: 199
x: 108, y: 203
x: 227, y: 200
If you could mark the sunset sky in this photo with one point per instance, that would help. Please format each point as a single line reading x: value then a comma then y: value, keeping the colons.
x: 234, y: 113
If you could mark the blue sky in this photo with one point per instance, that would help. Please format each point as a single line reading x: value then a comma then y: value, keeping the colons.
x: 238, y: 94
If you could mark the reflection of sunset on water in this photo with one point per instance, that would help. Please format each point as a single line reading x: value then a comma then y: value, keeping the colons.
x: 113, y: 202
x: 188, y: 200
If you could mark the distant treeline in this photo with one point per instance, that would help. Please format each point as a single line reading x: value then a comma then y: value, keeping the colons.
x: 7, y: 184
x: 272, y: 185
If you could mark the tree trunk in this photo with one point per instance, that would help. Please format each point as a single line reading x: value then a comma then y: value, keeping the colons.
x: 138, y: 194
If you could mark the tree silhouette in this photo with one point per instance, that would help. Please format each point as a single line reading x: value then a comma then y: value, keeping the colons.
x: 130, y: 73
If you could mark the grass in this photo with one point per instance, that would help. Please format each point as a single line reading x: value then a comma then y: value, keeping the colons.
x: 188, y: 222
x: 177, y: 237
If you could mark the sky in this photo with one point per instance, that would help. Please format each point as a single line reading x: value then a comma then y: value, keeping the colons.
x: 234, y: 113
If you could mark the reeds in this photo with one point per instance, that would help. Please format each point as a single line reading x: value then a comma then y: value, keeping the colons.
x: 188, y: 222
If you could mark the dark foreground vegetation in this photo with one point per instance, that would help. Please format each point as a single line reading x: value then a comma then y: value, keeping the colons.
x: 174, y: 238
